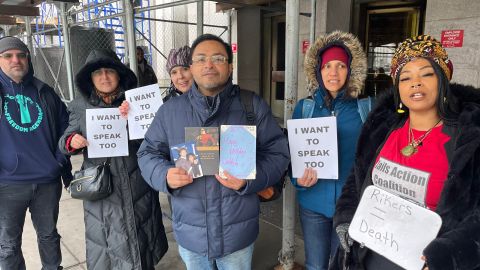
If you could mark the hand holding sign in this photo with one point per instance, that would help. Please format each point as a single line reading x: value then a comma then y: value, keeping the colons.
x: 308, y: 179
x: 78, y: 142
x: 124, y: 108
x: 230, y: 181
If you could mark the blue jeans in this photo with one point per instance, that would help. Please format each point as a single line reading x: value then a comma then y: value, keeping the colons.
x: 239, y: 260
x: 43, y: 202
x: 321, y: 240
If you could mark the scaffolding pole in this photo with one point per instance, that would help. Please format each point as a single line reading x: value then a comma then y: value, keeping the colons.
x: 287, y: 254
x: 28, y: 27
x: 67, y: 50
x: 199, y: 18
x: 313, y: 19
x: 129, y: 25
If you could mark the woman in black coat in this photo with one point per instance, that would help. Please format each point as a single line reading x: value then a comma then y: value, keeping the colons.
x: 425, y: 123
x: 124, y: 230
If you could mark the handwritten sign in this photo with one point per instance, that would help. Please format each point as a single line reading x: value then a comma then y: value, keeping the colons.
x: 313, y: 144
x: 144, y: 103
x: 106, y: 133
x: 238, y: 151
x: 393, y: 227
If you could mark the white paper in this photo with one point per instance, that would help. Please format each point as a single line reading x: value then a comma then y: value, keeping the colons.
x: 313, y: 144
x: 143, y: 103
x: 106, y: 133
x: 393, y: 227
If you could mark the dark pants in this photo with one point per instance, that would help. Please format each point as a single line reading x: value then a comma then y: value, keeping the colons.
x: 43, y: 201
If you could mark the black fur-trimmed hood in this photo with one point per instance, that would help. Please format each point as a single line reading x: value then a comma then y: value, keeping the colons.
x: 107, y: 59
x: 358, y: 64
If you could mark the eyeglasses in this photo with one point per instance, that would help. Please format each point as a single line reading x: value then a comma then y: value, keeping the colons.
x: 100, y: 71
x: 9, y: 56
x: 216, y: 59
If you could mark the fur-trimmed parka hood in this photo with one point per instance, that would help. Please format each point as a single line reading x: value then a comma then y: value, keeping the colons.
x: 358, y: 61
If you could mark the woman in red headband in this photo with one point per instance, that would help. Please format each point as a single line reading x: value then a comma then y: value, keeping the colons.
x: 428, y: 126
x: 335, y: 66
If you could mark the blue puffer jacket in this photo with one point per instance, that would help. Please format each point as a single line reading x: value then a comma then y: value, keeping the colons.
x: 321, y: 197
x: 208, y: 218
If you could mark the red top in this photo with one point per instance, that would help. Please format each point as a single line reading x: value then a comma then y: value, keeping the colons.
x: 431, y: 157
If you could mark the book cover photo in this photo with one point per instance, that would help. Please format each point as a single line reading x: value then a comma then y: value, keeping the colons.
x: 206, y: 141
x: 238, y: 151
x: 186, y: 157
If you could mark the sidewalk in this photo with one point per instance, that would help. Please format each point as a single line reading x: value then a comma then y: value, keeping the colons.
x: 72, y: 230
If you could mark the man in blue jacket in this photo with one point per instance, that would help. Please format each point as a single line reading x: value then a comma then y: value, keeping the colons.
x: 215, y: 220
x: 32, y: 119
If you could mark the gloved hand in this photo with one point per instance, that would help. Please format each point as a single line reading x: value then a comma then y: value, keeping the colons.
x: 345, y: 240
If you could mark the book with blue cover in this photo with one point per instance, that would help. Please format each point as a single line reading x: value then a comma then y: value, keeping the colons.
x: 238, y: 146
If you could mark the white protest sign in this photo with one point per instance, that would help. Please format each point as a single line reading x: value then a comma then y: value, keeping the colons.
x: 143, y: 103
x: 313, y: 144
x: 393, y: 227
x: 106, y: 133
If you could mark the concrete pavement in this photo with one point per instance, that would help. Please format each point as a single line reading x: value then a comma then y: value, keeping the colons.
x: 71, y: 228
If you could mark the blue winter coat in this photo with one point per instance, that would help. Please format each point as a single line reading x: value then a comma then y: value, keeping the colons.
x: 321, y: 197
x: 209, y: 218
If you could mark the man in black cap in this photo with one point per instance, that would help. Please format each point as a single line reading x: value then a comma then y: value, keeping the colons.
x: 32, y: 119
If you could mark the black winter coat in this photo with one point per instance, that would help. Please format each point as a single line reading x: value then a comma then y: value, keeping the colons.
x: 457, y: 245
x: 125, y: 230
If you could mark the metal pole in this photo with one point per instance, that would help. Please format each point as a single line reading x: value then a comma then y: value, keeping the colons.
x: 67, y: 49
x: 28, y: 27
x: 313, y: 18
x: 199, y: 18
x: 129, y: 26
x: 287, y: 254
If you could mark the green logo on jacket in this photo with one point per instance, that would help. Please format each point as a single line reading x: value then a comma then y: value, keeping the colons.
x: 25, y: 105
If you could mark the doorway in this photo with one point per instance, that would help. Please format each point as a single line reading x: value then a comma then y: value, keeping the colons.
x: 273, y: 67
x: 386, y: 26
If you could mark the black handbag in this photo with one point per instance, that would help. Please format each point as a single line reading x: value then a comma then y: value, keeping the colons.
x: 93, y: 183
